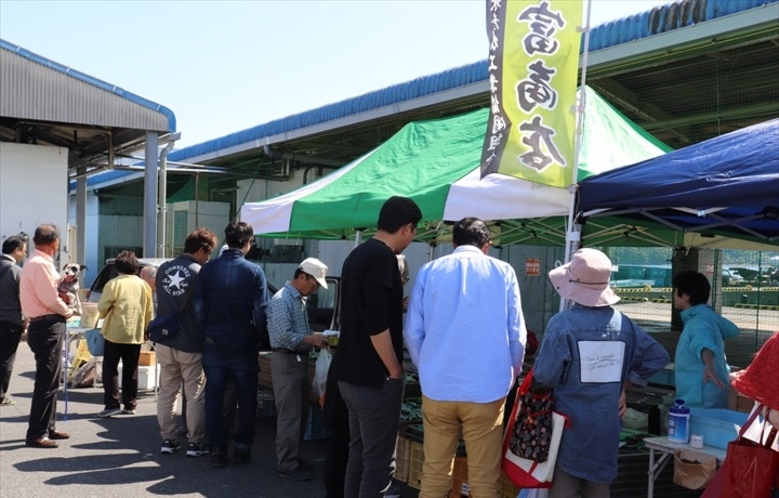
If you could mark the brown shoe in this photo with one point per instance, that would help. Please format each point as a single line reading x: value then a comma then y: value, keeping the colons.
x: 58, y: 435
x: 43, y: 442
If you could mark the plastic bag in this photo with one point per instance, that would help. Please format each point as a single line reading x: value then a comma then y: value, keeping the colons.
x: 319, y: 384
x: 85, y: 375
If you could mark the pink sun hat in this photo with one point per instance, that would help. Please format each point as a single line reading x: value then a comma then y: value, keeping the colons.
x: 585, y: 280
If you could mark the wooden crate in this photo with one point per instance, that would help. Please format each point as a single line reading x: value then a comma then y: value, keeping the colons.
x: 402, y: 459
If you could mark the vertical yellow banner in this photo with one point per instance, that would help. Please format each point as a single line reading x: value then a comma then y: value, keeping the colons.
x: 533, y: 70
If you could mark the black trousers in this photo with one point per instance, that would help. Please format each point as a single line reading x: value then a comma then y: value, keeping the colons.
x: 337, y: 420
x: 129, y: 354
x: 10, y: 333
x: 45, y: 338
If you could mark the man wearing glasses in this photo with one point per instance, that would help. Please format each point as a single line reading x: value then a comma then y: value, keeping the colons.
x: 292, y: 339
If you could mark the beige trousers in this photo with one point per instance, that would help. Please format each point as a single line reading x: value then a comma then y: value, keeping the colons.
x: 481, y: 425
x: 177, y: 367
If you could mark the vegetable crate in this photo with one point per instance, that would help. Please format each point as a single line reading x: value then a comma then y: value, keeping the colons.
x: 402, y: 459
x: 266, y: 403
x: 459, y: 472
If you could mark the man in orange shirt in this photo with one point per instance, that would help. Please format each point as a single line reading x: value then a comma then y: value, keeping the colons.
x: 47, y: 314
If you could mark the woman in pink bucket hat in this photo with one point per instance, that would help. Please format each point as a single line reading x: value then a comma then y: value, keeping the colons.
x: 589, y: 354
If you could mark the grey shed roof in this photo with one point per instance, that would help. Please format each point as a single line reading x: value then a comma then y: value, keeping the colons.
x: 38, y: 89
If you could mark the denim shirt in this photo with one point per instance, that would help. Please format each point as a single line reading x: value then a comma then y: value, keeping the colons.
x: 703, y: 329
x: 230, y: 300
x: 587, y: 355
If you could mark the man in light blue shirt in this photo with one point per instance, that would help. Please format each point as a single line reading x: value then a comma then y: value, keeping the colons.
x: 466, y: 335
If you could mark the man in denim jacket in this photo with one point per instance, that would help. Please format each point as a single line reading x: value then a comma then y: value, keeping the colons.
x: 230, y: 303
x: 589, y: 354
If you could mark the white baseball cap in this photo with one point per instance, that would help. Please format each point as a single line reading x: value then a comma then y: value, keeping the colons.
x: 316, y: 269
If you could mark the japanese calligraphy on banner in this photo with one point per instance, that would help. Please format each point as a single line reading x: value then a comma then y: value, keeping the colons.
x: 533, y: 69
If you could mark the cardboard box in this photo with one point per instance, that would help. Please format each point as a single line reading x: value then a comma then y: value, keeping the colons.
x: 739, y: 402
x: 147, y: 359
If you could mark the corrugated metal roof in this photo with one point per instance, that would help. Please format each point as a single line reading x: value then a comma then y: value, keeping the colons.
x: 666, y: 18
x: 658, y: 20
x: 37, y: 88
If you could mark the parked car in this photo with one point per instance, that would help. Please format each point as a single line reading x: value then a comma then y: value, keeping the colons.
x: 731, y: 278
x: 754, y: 274
x: 109, y: 271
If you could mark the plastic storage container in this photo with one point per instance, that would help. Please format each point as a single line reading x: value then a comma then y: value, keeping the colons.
x: 679, y: 423
x: 716, y: 425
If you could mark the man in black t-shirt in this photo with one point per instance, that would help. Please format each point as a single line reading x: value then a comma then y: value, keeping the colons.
x: 369, y: 363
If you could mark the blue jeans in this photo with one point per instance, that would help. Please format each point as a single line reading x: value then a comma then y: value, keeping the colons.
x: 243, y: 361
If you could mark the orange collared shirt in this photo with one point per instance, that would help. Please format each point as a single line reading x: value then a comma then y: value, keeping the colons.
x: 38, y: 287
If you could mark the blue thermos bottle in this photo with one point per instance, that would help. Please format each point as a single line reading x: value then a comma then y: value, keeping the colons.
x: 679, y: 423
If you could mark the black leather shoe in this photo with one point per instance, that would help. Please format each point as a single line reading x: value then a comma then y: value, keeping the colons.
x: 58, y: 435
x: 42, y: 442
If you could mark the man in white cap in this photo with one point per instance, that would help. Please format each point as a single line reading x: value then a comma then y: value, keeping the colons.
x: 291, y: 339
x: 589, y: 354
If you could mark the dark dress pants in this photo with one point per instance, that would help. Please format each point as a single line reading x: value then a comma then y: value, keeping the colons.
x: 10, y: 333
x: 129, y: 354
x: 336, y: 418
x: 45, y: 338
x: 374, y: 417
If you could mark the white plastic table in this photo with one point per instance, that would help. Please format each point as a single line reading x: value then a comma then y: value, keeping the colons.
x: 666, y: 449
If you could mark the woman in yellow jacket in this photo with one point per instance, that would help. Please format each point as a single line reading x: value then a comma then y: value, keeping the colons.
x: 126, y: 306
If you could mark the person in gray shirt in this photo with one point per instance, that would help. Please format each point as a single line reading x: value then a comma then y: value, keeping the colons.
x: 12, y: 326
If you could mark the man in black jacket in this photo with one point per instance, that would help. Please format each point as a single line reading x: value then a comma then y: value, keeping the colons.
x: 11, y: 323
x: 180, y: 356
x: 230, y: 304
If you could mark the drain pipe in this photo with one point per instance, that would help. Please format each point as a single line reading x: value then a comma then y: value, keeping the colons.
x: 163, y: 197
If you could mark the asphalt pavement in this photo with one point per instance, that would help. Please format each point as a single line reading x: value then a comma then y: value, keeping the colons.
x: 120, y: 456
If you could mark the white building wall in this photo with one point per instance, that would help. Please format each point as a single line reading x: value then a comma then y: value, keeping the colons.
x: 33, y: 190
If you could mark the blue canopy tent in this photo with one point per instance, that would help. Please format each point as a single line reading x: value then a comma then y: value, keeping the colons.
x: 723, y: 192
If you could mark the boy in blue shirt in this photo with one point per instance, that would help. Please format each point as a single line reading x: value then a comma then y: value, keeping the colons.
x: 700, y: 367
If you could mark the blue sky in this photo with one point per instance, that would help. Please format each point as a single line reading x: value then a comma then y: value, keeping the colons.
x: 226, y: 66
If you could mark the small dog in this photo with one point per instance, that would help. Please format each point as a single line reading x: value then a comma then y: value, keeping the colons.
x: 67, y: 287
